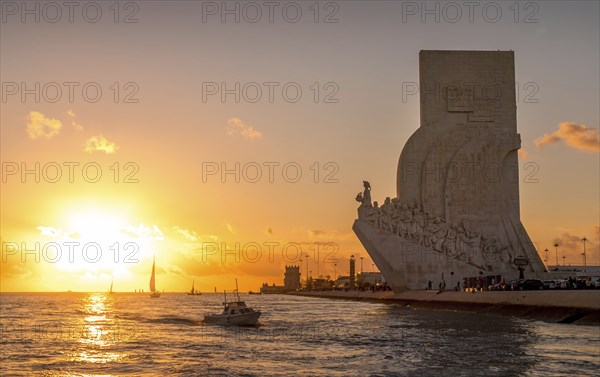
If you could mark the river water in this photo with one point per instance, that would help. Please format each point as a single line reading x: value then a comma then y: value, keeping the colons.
x: 96, y: 334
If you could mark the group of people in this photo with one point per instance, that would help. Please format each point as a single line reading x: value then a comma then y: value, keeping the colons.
x: 365, y: 287
x: 411, y: 222
x: 442, y: 286
x: 471, y: 284
x: 481, y: 283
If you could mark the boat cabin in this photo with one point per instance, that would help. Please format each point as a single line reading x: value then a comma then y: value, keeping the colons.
x: 236, y: 307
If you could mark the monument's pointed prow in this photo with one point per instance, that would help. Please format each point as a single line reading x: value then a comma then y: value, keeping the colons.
x: 456, y: 214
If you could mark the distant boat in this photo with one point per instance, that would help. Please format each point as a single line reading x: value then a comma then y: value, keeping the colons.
x: 193, y: 292
x: 110, y: 291
x: 154, y: 293
x: 234, y: 313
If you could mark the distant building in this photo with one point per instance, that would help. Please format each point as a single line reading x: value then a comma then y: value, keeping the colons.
x: 272, y: 289
x: 291, y: 279
x: 352, y: 271
x: 370, y: 277
x: 291, y: 282
x: 321, y: 284
x: 342, y: 281
x: 576, y: 270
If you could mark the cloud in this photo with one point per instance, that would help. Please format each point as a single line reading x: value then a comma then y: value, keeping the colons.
x: 230, y: 228
x: 12, y: 267
x: 53, y: 232
x: 237, y: 127
x: 38, y: 125
x: 145, y: 232
x: 318, y: 233
x: 189, y: 235
x: 50, y: 231
x: 330, y: 235
x: 100, y: 143
x: 75, y: 125
x: 571, y: 246
x: 523, y: 153
x: 577, y: 136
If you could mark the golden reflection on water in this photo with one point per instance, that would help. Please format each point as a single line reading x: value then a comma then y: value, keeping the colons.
x: 98, y: 331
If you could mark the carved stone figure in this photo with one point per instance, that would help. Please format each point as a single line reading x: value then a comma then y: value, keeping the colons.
x: 386, y: 215
x: 364, y: 198
x: 450, y: 242
x: 419, y: 220
x: 366, y: 194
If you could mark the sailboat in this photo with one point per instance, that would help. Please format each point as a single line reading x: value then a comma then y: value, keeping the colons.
x: 155, y: 293
x: 110, y: 291
x: 194, y: 292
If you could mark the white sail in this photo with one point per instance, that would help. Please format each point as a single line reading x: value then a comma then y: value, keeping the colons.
x: 152, y: 278
x: 111, y: 286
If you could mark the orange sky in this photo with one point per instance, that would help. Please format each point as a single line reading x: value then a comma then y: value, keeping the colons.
x: 163, y: 137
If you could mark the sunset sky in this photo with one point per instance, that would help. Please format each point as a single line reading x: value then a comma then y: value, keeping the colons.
x: 158, y: 132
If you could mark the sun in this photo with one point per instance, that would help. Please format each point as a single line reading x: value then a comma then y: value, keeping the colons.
x: 106, y: 242
x: 96, y: 226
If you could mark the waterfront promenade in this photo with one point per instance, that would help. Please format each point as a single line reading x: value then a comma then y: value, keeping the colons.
x: 565, y: 306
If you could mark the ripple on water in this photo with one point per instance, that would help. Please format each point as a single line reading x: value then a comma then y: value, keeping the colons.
x: 132, y: 335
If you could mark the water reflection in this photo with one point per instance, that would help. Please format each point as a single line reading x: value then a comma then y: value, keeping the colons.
x: 483, y: 344
x: 98, y: 330
x: 98, y: 334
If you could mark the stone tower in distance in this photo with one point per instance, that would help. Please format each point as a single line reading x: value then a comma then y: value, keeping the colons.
x: 457, y: 207
x: 291, y: 278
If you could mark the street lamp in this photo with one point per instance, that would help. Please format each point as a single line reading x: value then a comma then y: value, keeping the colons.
x: 318, y: 258
x: 556, y: 246
x: 584, y: 254
x: 299, y: 269
x: 307, y: 257
x: 361, y: 265
x: 564, y: 261
x: 335, y: 271
x: 546, y: 260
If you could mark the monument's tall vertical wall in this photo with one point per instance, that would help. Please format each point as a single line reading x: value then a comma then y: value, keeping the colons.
x: 458, y: 177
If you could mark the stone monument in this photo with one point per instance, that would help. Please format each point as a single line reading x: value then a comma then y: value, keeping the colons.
x: 456, y: 211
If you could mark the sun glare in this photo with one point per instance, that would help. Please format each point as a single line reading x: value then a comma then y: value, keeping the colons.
x: 107, y: 243
x: 97, y: 226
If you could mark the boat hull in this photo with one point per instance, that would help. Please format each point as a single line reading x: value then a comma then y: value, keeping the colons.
x: 246, y: 319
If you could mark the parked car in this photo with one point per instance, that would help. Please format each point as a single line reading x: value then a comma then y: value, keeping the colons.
x: 497, y: 287
x: 563, y: 284
x: 594, y: 282
x: 581, y: 283
x: 527, y: 285
x: 549, y: 284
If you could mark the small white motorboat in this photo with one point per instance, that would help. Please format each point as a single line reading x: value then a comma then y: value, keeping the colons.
x: 235, y: 313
